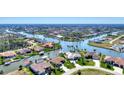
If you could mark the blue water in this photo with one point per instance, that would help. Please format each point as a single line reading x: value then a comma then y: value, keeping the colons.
x: 79, y: 44
x: 64, y: 44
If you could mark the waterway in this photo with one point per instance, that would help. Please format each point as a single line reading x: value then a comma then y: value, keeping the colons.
x: 65, y: 47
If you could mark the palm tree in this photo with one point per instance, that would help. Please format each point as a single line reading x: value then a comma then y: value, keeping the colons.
x: 94, y: 50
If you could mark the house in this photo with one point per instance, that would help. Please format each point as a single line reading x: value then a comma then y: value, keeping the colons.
x: 121, y: 41
x: 27, y: 63
x: 57, y: 61
x: 48, y: 45
x: 115, y: 61
x: 8, y: 54
x: 119, y: 48
x: 37, y: 48
x: 23, y: 51
x: 40, y: 68
x: 92, y: 55
x: 30, y: 42
x: 72, y: 56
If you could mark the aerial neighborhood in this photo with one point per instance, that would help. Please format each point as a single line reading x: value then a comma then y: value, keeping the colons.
x: 61, y: 49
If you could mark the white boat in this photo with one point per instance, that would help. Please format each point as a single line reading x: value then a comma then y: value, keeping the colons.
x: 7, y: 63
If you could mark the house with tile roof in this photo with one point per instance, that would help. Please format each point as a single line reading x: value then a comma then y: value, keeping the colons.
x: 115, y: 61
x: 57, y: 61
x: 41, y: 68
x: 8, y: 54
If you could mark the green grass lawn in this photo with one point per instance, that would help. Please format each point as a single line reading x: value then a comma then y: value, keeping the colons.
x: 19, y: 57
x: 101, y: 45
x: 85, y: 62
x: 32, y: 53
x: 123, y: 71
x: 106, y: 66
x: 58, y: 71
x: 89, y: 71
x: 27, y: 71
x: 69, y: 65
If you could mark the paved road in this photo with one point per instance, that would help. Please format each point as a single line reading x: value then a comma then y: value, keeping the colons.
x: 93, y: 67
x: 97, y: 66
x: 116, y: 39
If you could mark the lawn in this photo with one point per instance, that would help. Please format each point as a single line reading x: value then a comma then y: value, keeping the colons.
x: 89, y: 71
x: 106, y: 66
x: 19, y: 57
x: 32, y: 53
x: 1, y: 60
x: 101, y: 45
x: 69, y: 65
x: 123, y: 71
x: 27, y: 71
x: 85, y: 62
x: 58, y: 71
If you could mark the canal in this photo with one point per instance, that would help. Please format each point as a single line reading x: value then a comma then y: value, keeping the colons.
x: 65, y: 47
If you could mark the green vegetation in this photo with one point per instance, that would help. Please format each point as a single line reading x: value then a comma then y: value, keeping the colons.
x: 56, y: 46
x: 89, y: 71
x: 58, y: 71
x: 107, y: 66
x: 62, y: 55
x: 123, y: 71
x: 102, y: 57
x: 27, y: 71
x: 1, y: 60
x: 68, y: 64
x: 18, y: 57
x: 33, y: 53
x: 101, y: 45
x: 12, y: 42
x: 82, y: 53
x: 85, y: 62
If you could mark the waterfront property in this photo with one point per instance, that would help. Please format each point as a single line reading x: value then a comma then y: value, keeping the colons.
x: 92, y: 55
x: 43, y: 44
x: 119, y: 48
x: 72, y: 56
x: 37, y: 48
x: 115, y: 61
x: 57, y: 61
x: 48, y: 45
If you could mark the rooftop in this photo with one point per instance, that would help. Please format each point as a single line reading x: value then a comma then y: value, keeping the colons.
x: 117, y: 60
x: 57, y: 60
x: 8, y: 53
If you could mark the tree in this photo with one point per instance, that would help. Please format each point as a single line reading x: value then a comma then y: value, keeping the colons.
x: 79, y: 72
x: 20, y: 67
x: 94, y: 50
x: 1, y: 60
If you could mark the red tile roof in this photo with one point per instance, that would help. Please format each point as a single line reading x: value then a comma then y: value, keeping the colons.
x: 8, y: 53
x: 117, y: 60
x: 57, y: 60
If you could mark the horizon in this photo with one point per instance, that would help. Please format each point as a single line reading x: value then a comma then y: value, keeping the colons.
x: 62, y: 20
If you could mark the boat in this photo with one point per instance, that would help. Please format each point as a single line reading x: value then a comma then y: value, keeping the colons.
x: 7, y: 63
x: 41, y: 53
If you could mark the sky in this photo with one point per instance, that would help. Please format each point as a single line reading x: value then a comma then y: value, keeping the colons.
x: 61, y: 20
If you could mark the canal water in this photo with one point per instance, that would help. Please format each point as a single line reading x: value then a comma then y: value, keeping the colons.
x: 65, y: 47
x: 79, y: 44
